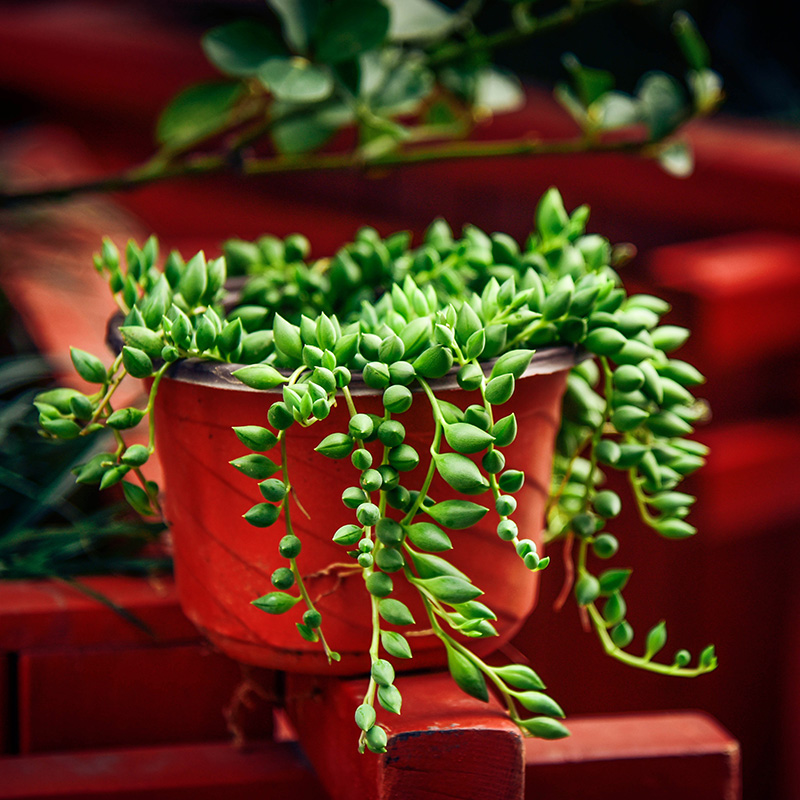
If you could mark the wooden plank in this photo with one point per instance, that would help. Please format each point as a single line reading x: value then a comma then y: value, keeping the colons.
x: 178, y: 772
x: 445, y: 744
x: 658, y: 756
x: 76, y: 698
x: 51, y: 614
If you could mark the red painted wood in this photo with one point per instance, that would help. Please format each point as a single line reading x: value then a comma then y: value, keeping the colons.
x: 749, y: 485
x: 177, y: 772
x: 47, y: 614
x: 222, y: 563
x: 658, y: 756
x: 6, y: 721
x: 445, y: 744
x: 82, y: 698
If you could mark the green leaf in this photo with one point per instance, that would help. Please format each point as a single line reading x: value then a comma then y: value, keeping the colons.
x: 587, y: 589
x: 435, y: 362
x: 194, y: 281
x: 137, y: 498
x: 124, y: 418
x: 428, y: 536
x: 457, y: 514
x: 461, y: 473
x: 514, y: 362
x: 590, y: 84
x: 544, y: 728
x: 260, y: 376
x: 466, y: 438
x: 256, y: 438
x: 287, y: 338
x: 389, y: 697
x: 396, y: 645
x: 520, y: 676
x: 395, y: 612
x: 262, y: 515
x: 143, y: 338
x: 450, y: 589
x: 430, y: 566
x: 348, y: 28
x: 690, y: 41
x: 418, y: 19
x: 62, y: 428
x: 466, y: 675
x: 88, y: 366
x: 276, y: 602
x: 336, y: 445
x: 539, y: 703
x: 656, y: 639
x: 662, y: 102
x: 296, y: 80
x: 299, y: 19
x: 239, y: 48
x: 137, y: 362
x: 255, y: 466
x: 497, y: 91
x: 197, y: 112
x: 382, y: 672
x: 551, y: 216
x: 677, y: 159
x: 365, y: 716
x: 500, y: 389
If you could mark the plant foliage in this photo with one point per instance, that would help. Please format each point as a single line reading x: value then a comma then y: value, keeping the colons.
x: 403, y: 317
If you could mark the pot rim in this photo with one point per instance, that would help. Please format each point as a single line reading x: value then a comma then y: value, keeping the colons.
x: 219, y: 374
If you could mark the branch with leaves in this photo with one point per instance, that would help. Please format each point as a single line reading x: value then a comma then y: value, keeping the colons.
x: 411, y: 79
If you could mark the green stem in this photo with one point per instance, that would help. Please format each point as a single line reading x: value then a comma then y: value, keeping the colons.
x: 293, y: 561
x: 434, y: 450
x: 516, y: 35
x: 636, y: 661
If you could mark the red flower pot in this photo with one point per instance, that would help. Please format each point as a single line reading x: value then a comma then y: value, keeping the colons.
x: 222, y: 563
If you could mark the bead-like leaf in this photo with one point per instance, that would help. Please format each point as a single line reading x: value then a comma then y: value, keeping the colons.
x: 466, y: 438
x: 457, y: 514
x: 395, y: 612
x: 656, y: 639
x: 428, y: 536
x: 88, y: 366
x: 260, y: 376
x: 255, y: 466
x: 520, y: 676
x: 256, y: 438
x: 468, y: 677
x: 395, y: 644
x: 461, y: 473
x: 276, y: 602
x: 450, y: 589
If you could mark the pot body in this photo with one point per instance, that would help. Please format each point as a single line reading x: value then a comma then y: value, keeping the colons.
x: 222, y: 563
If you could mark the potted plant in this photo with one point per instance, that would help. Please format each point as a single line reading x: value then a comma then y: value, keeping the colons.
x: 410, y: 409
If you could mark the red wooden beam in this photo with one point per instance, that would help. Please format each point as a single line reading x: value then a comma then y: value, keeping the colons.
x: 445, y: 744
x: 660, y: 756
x: 80, y: 698
x: 177, y: 772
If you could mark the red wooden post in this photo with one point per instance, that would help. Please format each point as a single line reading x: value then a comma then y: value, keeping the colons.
x: 445, y: 744
x: 660, y: 756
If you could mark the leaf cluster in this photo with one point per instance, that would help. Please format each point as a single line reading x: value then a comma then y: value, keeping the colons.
x: 401, y: 317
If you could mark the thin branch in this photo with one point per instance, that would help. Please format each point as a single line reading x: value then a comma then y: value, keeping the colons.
x: 207, y: 164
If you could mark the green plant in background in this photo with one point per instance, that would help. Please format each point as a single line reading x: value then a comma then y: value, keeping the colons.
x: 404, y: 317
x: 48, y: 529
x: 411, y: 79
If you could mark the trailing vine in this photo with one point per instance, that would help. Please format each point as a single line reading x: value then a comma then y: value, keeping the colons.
x: 403, y: 318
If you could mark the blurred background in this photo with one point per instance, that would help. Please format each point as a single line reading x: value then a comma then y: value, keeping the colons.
x: 81, y: 85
